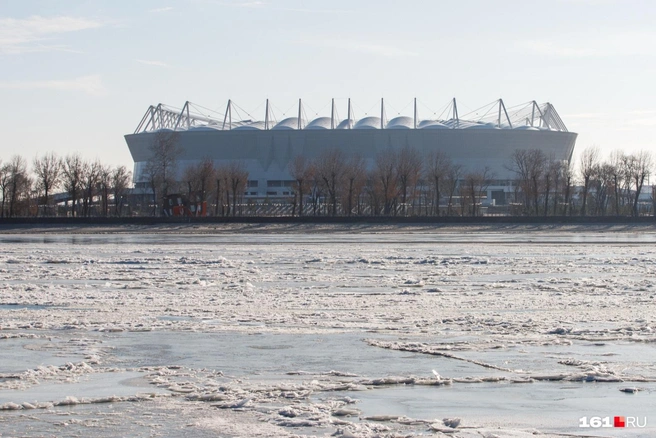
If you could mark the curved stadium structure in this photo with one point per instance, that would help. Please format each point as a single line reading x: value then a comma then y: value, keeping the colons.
x: 487, y: 137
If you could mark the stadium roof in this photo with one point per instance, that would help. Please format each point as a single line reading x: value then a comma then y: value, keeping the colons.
x: 192, y: 117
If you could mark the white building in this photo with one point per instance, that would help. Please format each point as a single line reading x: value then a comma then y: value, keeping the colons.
x: 267, y: 147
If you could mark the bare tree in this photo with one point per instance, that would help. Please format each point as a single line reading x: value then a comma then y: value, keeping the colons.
x: 301, y: 170
x: 90, y: 181
x: 568, y: 179
x: 640, y: 165
x: 529, y: 165
x: 205, y: 176
x: 355, y: 177
x: 330, y: 167
x: 408, y: 171
x: 189, y: 178
x: 199, y: 179
x: 238, y: 177
x: 559, y: 170
x: 152, y: 175
x: 602, y: 182
x: 437, y: 167
x: 48, y: 170
x: 374, y: 191
x: 476, y: 183
x: 385, y: 174
x: 120, y: 178
x: 73, y: 173
x: 221, y: 185
x: 316, y: 191
x: 4, y: 186
x: 617, y: 173
x: 18, y: 183
x: 537, y: 168
x: 551, y: 179
x: 587, y: 164
x: 161, y: 167
x: 104, y: 187
x: 453, y: 176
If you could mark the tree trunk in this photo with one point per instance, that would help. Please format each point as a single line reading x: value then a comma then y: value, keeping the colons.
x: 437, y: 196
x: 218, y: 197
x: 45, y: 204
x: 227, y: 212
x: 567, y: 196
x: 234, y: 200
x: 585, y: 195
x: 555, y: 203
x: 300, y: 198
x: 639, y: 182
x: 73, y: 201
x: 350, y: 197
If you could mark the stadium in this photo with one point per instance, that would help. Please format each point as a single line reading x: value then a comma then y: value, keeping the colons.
x: 485, y: 137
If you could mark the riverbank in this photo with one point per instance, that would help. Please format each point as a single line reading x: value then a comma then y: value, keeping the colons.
x: 80, y: 227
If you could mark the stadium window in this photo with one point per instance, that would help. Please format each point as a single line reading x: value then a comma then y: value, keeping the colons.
x: 288, y: 183
x: 272, y: 193
x: 274, y: 183
x: 252, y: 183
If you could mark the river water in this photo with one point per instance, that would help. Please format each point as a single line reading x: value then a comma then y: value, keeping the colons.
x: 327, y: 334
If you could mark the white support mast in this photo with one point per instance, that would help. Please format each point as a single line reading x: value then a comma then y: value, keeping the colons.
x: 266, y: 115
x: 181, y: 117
x: 299, y: 113
x: 503, y: 105
x: 348, y: 118
x: 144, y: 120
x: 455, y: 114
x: 188, y: 118
x: 382, y: 113
x: 157, y: 117
x: 332, y: 114
x: 228, y: 116
x: 415, y: 114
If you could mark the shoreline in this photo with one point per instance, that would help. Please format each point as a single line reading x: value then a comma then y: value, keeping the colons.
x: 325, y: 228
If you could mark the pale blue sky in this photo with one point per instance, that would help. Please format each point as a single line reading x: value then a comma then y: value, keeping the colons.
x: 78, y: 75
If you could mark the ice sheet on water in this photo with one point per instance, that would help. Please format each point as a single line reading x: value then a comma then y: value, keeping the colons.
x: 500, y: 314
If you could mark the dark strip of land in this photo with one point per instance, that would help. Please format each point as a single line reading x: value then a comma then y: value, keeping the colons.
x: 451, y: 220
x: 327, y: 224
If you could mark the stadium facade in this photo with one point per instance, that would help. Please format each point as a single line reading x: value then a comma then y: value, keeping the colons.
x: 488, y: 137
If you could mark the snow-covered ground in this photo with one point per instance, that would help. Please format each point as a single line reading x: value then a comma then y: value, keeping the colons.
x: 359, y: 331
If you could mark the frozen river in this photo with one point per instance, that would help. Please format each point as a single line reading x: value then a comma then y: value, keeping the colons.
x: 469, y: 334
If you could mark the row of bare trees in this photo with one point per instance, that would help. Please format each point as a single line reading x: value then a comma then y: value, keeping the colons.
x: 226, y: 182
x: 221, y: 185
x: 614, y: 186
x: 396, y: 182
x: 90, y: 188
x: 400, y: 182
x: 546, y: 186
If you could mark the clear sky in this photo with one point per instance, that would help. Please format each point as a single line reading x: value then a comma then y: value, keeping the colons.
x: 77, y: 75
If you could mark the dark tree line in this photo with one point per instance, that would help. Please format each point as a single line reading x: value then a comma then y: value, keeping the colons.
x: 400, y: 182
x: 84, y: 188
x: 221, y: 186
x: 544, y: 186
